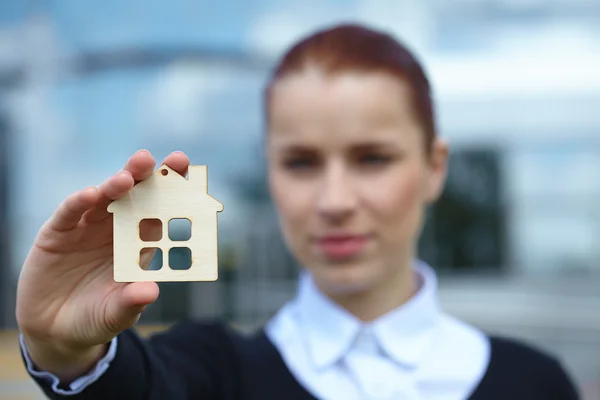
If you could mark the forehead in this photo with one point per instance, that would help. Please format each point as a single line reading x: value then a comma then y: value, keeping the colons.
x: 314, y: 106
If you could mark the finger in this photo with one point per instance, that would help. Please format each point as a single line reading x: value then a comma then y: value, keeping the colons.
x: 177, y: 161
x: 116, y: 186
x: 140, y: 165
x: 138, y: 294
x: 69, y: 212
x: 124, y: 309
x: 111, y: 189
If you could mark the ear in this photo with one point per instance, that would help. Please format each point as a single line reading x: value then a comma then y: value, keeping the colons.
x: 437, y: 168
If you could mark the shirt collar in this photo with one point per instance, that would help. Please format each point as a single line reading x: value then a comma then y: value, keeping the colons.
x: 403, y: 334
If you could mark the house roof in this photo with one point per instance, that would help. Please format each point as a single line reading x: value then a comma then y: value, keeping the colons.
x: 165, y: 172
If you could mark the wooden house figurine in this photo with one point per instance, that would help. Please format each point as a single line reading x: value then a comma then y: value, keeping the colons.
x: 164, y: 196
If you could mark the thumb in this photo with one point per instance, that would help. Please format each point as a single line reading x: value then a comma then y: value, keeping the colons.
x: 127, y: 304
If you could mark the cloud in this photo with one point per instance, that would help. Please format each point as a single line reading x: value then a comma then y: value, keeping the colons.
x: 175, y: 103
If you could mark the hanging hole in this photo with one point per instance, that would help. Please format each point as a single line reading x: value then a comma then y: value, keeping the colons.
x: 180, y: 258
x: 151, y: 258
x: 150, y: 230
x: 180, y: 229
x: 164, y: 172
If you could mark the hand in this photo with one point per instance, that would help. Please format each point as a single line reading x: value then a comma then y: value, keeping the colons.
x: 67, y: 300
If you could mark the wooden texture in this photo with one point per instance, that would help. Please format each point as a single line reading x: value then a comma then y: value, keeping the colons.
x: 167, y: 195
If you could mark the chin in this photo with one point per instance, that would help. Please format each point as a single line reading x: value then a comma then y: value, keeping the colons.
x: 340, y: 279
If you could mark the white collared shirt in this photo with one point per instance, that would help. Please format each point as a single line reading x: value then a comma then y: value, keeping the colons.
x: 414, y: 352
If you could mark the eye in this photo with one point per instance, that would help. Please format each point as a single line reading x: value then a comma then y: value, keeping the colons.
x: 374, y: 159
x: 299, y: 163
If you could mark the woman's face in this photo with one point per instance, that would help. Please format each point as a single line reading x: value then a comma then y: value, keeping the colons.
x: 350, y: 176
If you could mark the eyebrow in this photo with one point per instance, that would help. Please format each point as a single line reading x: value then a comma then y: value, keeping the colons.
x: 297, y: 148
x: 375, y: 145
x: 363, y: 146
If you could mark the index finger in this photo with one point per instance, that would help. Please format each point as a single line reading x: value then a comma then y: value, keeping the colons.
x: 140, y: 166
x: 69, y: 212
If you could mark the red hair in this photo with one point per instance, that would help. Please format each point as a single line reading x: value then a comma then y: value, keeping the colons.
x: 352, y: 47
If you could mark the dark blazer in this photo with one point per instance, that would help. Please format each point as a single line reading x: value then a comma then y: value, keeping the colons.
x: 209, y: 361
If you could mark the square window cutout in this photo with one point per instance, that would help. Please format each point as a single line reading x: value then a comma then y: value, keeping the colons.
x: 150, y: 258
x: 180, y: 229
x: 150, y: 230
x: 180, y: 258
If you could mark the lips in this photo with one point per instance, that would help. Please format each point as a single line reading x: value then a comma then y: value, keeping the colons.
x: 342, y: 246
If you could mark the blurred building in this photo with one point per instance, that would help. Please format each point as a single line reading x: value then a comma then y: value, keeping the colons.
x: 516, y: 235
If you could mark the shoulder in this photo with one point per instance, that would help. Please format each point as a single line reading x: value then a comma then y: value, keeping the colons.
x: 508, y: 349
x: 524, y: 368
x: 497, y: 366
x: 512, y: 353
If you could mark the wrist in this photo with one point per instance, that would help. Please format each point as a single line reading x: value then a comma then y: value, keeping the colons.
x: 66, y: 363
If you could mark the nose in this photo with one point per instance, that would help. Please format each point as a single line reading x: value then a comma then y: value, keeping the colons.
x: 337, y: 198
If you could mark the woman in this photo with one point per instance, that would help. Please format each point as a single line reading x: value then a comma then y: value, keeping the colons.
x: 354, y: 161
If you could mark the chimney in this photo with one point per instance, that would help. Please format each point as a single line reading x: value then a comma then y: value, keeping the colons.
x: 197, y: 176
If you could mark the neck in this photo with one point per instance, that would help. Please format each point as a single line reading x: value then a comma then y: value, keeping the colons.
x: 376, y: 301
